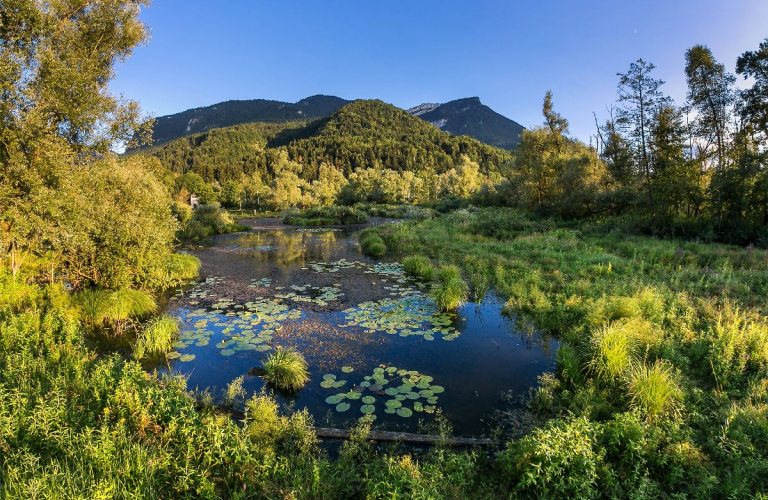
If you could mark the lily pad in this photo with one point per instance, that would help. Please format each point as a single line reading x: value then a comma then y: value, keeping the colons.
x: 367, y: 409
x: 404, y: 412
x: 335, y: 399
x: 187, y: 357
x: 342, y: 407
x: 369, y: 400
x: 347, y: 369
x: 227, y: 352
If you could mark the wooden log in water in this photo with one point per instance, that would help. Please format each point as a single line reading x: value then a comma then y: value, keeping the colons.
x: 405, y: 437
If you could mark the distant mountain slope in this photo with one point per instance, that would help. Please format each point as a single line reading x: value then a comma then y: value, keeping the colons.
x: 471, y: 117
x: 224, y: 114
x: 362, y: 134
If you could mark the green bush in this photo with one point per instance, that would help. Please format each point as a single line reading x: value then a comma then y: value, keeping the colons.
x: 450, y: 290
x: 737, y: 345
x: 286, y: 369
x: 373, y: 245
x: 209, y: 220
x: 613, y: 351
x: 419, y: 266
x: 324, y: 216
x: 558, y: 461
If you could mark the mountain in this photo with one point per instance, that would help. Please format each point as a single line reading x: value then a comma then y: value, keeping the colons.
x: 224, y: 114
x: 361, y: 134
x: 471, y: 117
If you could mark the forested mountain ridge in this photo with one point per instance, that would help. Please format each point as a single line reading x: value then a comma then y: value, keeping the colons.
x: 460, y: 117
x: 471, y: 117
x: 224, y: 114
x: 362, y: 134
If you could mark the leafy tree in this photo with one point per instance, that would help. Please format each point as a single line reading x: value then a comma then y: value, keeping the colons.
x: 639, y: 92
x: 754, y: 109
x: 711, y: 94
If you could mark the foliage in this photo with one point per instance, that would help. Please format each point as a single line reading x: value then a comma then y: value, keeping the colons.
x: 286, y: 369
x: 654, y: 391
x: 419, y: 266
x: 209, y: 220
x: 450, y: 290
x: 372, y: 245
x: 156, y: 337
x: 320, y: 216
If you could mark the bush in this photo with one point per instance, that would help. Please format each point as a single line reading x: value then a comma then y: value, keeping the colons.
x: 558, y: 461
x: 286, y: 369
x: 324, y: 216
x: 156, y: 338
x: 450, y: 290
x: 209, y: 220
x: 373, y: 245
x: 738, y: 345
x: 419, y: 266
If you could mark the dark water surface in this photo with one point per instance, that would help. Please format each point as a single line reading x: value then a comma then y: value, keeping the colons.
x: 347, y: 310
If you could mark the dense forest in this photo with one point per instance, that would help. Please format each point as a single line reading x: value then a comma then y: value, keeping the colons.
x: 660, y: 388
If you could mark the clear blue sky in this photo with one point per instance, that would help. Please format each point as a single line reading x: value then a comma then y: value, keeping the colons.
x: 407, y: 52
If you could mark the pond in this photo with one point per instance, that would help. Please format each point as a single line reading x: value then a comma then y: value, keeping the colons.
x: 374, y: 341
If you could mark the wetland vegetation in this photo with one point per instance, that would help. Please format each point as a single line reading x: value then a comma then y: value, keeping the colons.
x: 586, y: 308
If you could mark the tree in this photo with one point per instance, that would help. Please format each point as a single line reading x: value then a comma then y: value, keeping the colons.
x: 754, y: 107
x: 710, y: 93
x: 641, y: 98
x: 232, y: 194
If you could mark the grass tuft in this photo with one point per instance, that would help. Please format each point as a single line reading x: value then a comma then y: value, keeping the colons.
x: 286, y: 369
x: 654, y: 391
x: 613, y: 351
x: 419, y: 266
x: 156, y: 338
x: 450, y: 290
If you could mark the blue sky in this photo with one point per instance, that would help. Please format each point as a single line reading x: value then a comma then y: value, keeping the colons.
x: 508, y: 53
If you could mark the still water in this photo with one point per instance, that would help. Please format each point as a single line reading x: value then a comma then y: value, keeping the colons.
x: 372, y: 337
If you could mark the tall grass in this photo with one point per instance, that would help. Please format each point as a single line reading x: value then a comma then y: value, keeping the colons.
x: 156, y: 337
x: 115, y: 308
x: 450, y: 290
x: 373, y: 245
x: 286, y: 369
x: 654, y: 391
x: 419, y: 266
x: 613, y: 350
x: 738, y: 344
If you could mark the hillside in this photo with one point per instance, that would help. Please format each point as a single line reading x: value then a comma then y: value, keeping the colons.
x: 224, y: 114
x: 362, y: 134
x: 471, y: 117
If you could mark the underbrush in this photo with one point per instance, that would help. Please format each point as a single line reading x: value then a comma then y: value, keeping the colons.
x: 324, y: 216
x: 207, y: 221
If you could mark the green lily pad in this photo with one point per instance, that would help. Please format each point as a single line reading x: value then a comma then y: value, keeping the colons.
x: 173, y: 355
x: 367, y: 409
x: 227, y: 352
x: 327, y: 384
x: 335, y: 399
x: 369, y: 400
x: 404, y: 412
x: 342, y: 407
x: 393, y: 403
x: 437, y: 389
x: 187, y: 357
x: 347, y: 369
x: 375, y: 387
x: 391, y: 391
x: 418, y: 407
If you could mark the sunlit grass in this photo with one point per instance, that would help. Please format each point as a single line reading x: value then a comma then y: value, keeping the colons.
x: 286, y: 369
x: 653, y: 390
x: 156, y: 337
x: 450, y: 290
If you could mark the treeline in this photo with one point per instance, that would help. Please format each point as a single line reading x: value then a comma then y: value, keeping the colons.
x: 367, y: 151
x: 696, y: 169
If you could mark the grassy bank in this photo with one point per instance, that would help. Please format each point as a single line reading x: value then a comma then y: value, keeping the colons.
x: 662, y: 385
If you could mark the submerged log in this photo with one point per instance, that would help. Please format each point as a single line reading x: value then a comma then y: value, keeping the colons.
x: 405, y: 437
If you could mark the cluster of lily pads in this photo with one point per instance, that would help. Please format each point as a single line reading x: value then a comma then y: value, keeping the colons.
x: 414, y: 389
x: 248, y: 327
x: 311, y: 294
x: 380, y: 268
x: 261, y: 282
x: 414, y: 314
x: 198, y: 290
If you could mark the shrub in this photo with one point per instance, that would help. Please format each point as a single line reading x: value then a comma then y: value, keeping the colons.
x: 265, y: 426
x: 235, y: 391
x: 209, y: 220
x: 157, y: 337
x: 373, y: 245
x: 654, y: 391
x: 286, y: 369
x: 569, y: 364
x: 419, y: 266
x: 450, y: 290
x: 738, y: 345
x: 613, y: 351
x: 558, y: 461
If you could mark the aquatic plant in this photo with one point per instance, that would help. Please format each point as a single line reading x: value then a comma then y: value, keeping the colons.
x: 156, y: 337
x: 450, y: 290
x: 115, y: 307
x: 235, y: 391
x: 286, y: 369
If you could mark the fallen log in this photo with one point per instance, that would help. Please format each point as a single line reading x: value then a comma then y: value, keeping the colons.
x: 405, y: 437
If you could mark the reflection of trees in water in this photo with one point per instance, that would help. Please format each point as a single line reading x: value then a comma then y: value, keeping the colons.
x: 287, y: 247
